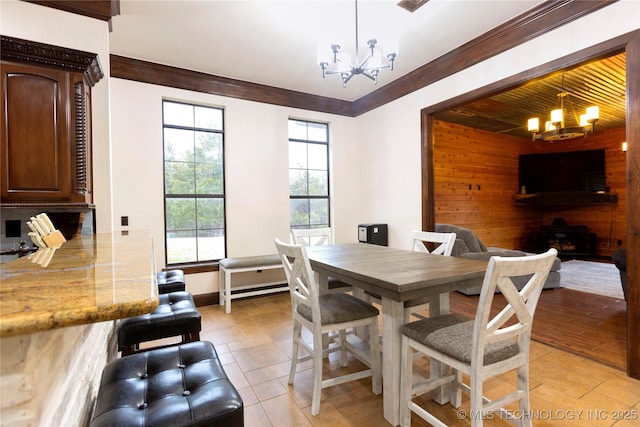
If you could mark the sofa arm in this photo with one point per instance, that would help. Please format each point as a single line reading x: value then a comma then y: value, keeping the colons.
x: 459, y: 248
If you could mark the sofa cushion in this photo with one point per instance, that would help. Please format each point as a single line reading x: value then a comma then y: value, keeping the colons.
x: 465, y: 239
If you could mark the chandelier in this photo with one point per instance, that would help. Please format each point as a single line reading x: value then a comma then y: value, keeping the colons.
x: 555, y: 128
x: 369, y: 67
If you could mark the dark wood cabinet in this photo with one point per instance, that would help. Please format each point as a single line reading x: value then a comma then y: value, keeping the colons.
x: 46, y: 124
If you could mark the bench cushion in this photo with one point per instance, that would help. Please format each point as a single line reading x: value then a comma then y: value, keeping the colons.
x: 251, y: 261
x: 183, y: 385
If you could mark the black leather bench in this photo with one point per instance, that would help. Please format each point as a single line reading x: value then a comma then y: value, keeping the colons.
x: 170, y: 281
x: 176, y: 315
x: 183, y: 385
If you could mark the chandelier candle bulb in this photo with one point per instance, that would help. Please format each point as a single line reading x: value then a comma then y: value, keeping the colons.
x: 593, y: 113
x: 556, y: 116
x: 534, y: 124
x: 584, y: 120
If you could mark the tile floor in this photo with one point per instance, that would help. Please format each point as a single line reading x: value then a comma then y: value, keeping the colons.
x: 254, y: 344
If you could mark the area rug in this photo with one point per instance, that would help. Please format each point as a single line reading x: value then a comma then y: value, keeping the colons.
x: 592, y: 277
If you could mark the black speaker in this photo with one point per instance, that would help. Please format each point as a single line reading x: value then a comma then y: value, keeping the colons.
x: 376, y: 234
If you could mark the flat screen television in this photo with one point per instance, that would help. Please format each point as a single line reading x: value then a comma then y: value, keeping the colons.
x: 561, y: 172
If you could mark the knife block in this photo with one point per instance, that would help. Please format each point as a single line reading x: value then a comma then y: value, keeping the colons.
x: 54, y: 239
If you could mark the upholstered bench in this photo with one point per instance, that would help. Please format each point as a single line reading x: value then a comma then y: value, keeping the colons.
x: 175, y: 315
x: 170, y: 281
x: 229, y: 266
x: 183, y: 385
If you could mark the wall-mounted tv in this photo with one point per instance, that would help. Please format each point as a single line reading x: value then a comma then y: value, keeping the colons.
x: 566, y: 171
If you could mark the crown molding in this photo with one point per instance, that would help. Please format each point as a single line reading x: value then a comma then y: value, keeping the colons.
x: 19, y: 50
x: 98, y: 9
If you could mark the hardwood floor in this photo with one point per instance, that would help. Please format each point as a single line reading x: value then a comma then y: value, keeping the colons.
x: 254, y: 343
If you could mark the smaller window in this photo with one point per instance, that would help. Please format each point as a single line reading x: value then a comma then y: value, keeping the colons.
x: 308, y: 174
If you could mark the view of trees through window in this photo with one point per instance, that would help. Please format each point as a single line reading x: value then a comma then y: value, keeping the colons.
x: 308, y: 174
x: 193, y: 182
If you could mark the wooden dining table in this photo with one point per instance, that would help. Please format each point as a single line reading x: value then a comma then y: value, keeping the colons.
x: 397, y: 276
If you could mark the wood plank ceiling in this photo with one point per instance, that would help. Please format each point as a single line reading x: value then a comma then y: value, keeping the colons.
x: 600, y: 83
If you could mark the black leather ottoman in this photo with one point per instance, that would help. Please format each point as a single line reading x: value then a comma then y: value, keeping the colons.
x: 170, y: 281
x: 175, y: 315
x: 183, y: 385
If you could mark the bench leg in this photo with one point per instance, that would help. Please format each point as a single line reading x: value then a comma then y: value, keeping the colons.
x: 227, y: 290
x: 221, y: 276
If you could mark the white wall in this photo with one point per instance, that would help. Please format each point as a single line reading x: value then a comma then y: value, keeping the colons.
x: 390, y: 135
x: 256, y: 169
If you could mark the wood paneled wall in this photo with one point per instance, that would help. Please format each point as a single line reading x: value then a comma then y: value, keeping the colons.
x: 476, y: 178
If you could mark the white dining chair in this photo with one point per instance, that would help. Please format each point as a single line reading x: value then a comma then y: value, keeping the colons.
x: 420, y: 242
x: 481, y: 347
x: 318, y: 237
x: 440, y: 244
x: 336, y: 314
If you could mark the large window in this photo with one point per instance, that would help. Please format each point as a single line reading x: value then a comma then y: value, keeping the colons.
x: 309, y: 174
x: 193, y: 182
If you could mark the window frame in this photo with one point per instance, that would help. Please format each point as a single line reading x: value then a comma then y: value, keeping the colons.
x: 307, y: 196
x: 205, y: 265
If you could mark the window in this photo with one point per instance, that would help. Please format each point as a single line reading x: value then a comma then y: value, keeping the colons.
x: 308, y: 174
x: 193, y: 182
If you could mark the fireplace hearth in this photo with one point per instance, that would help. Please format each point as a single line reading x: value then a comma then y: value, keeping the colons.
x: 572, y: 241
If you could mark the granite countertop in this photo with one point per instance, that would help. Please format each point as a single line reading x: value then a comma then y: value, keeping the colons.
x: 89, y: 279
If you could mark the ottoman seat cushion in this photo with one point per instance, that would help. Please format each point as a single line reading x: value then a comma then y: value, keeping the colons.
x: 183, y: 385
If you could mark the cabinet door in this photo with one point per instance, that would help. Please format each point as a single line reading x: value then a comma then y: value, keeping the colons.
x: 36, y: 138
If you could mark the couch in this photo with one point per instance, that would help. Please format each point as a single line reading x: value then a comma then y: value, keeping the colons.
x: 468, y: 245
x: 620, y: 260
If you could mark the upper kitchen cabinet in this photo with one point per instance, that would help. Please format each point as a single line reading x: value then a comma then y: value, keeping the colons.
x: 46, y: 124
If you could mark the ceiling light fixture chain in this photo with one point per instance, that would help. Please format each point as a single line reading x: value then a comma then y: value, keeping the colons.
x: 555, y: 128
x: 347, y: 71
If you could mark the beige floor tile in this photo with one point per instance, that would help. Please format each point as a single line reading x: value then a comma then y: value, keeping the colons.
x: 282, y: 411
x: 268, y: 390
x: 622, y: 389
x: 255, y: 416
x: 252, y: 358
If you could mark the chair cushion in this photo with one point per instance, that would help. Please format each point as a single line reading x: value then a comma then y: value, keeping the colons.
x: 175, y: 315
x: 452, y: 334
x: 339, y: 307
x: 184, y: 385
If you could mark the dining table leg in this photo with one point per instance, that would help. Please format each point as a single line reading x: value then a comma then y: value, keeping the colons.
x: 392, y: 321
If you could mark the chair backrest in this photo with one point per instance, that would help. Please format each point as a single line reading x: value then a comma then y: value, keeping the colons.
x: 445, y: 242
x: 302, y: 285
x: 312, y: 236
x: 519, y: 304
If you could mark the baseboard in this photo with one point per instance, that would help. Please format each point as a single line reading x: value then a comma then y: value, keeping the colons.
x: 212, y: 298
